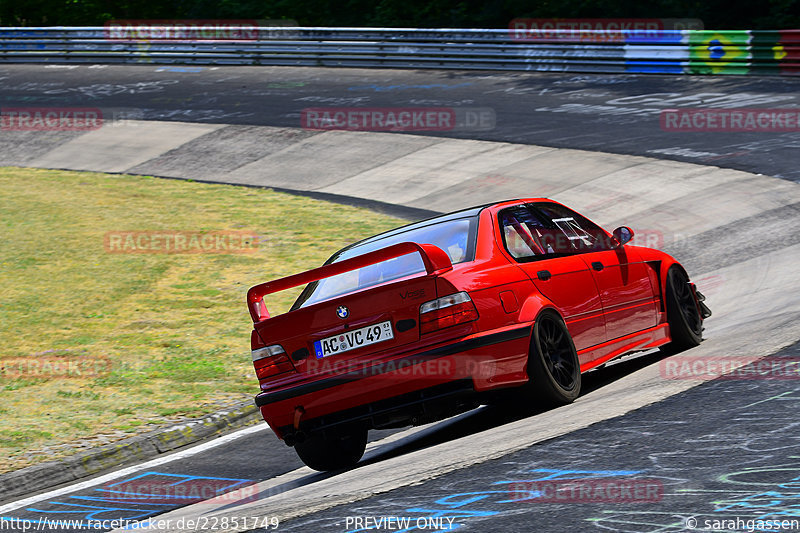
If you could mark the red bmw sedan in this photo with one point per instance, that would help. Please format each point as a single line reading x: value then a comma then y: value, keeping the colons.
x: 428, y: 320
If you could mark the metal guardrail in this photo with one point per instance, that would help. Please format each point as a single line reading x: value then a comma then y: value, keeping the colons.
x: 666, y: 51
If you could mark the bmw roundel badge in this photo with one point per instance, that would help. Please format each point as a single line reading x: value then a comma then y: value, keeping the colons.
x: 342, y: 312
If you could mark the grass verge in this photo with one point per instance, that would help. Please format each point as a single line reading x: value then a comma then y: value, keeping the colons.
x: 97, y: 346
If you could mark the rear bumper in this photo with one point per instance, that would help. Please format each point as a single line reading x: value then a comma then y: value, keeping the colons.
x: 477, y: 363
x: 413, y: 408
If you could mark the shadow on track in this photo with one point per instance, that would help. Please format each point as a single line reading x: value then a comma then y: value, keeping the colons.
x: 494, y: 416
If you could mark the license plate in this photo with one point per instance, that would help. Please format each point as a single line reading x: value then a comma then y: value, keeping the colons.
x: 350, y: 340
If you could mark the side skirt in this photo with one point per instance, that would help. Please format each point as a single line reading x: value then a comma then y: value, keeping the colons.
x: 641, y: 340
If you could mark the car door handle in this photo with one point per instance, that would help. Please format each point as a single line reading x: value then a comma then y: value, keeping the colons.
x: 543, y: 275
x: 597, y: 265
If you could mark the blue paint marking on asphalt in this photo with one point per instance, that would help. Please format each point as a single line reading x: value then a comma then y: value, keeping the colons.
x: 451, y: 506
x: 21, y: 520
x: 123, y: 500
x: 571, y: 474
x: 112, y: 495
x: 137, y: 504
x: 471, y: 497
x: 767, y: 499
x: 90, y: 515
x: 183, y: 479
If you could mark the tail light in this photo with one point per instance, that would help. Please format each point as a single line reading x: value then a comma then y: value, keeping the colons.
x: 271, y: 361
x: 446, y: 312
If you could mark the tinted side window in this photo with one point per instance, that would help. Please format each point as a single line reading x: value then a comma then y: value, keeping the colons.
x: 541, y: 230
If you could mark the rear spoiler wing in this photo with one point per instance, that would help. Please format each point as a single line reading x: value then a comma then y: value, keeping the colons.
x: 434, y: 258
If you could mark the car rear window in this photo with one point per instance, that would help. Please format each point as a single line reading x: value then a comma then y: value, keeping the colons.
x: 456, y: 237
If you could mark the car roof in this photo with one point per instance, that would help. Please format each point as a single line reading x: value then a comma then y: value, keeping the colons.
x: 461, y: 213
x: 438, y: 219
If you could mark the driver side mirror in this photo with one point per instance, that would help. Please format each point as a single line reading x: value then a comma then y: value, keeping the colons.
x: 623, y: 234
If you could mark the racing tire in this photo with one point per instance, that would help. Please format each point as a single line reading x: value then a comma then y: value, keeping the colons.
x: 683, y: 316
x: 333, y: 449
x: 554, y: 370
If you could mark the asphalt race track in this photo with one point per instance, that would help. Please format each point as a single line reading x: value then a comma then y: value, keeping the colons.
x: 681, y: 447
x: 609, y: 113
x: 701, y: 448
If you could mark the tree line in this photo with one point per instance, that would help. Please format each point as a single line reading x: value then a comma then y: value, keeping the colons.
x: 715, y: 14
